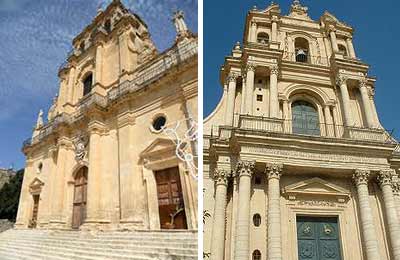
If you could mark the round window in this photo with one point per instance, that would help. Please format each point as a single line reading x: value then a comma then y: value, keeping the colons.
x: 159, y: 123
x: 257, y: 220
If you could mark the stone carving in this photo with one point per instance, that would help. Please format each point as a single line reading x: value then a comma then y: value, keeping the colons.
x: 52, y: 111
x: 81, y: 147
x: 363, y: 82
x: 274, y: 69
x: 385, y: 177
x: 245, y: 168
x: 340, y: 79
x: 250, y: 67
x: 231, y: 77
x: 360, y: 176
x: 39, y: 121
x: 180, y: 25
x: 273, y: 170
x: 316, y: 203
x: 221, y: 176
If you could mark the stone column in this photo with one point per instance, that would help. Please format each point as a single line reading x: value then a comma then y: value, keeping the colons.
x: 337, y: 128
x: 244, y: 89
x: 71, y: 85
x: 328, y: 46
x: 99, y: 64
x: 273, y: 172
x: 274, y: 34
x: 348, y: 119
x: 285, y: 116
x: 385, y: 182
x: 350, y: 47
x: 273, y: 93
x: 230, y: 106
x: 249, y: 88
x: 330, y: 132
x: 369, y: 117
x: 360, y: 178
x: 253, y: 32
x: 332, y: 33
x: 244, y: 171
x: 218, y: 233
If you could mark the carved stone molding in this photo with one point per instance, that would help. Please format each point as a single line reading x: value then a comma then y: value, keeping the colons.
x: 274, y: 69
x: 232, y: 77
x: 363, y: 82
x: 385, y: 177
x: 273, y: 170
x: 340, y: 79
x: 361, y: 176
x: 221, y: 176
x: 250, y: 67
x: 245, y: 168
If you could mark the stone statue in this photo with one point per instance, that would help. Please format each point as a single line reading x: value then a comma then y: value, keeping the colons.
x: 39, y: 121
x: 52, y: 111
x: 80, y: 147
x: 180, y: 25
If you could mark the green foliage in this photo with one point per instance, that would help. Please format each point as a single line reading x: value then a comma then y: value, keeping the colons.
x: 9, y: 197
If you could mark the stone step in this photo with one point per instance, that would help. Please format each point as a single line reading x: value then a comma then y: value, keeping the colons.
x: 111, y: 247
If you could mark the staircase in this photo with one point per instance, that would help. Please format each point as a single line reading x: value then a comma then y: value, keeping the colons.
x: 112, y: 245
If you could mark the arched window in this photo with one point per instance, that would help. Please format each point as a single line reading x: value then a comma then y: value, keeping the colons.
x: 107, y: 26
x: 257, y: 220
x: 305, y: 118
x: 262, y: 38
x: 302, y: 50
x: 87, y: 84
x: 342, y: 49
x: 256, y: 255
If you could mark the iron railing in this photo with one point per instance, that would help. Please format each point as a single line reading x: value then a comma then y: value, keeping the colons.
x: 146, y: 75
x: 285, y: 126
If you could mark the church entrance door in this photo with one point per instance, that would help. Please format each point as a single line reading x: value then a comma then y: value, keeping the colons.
x: 80, y: 195
x: 318, y: 238
x: 170, y: 199
x: 35, y: 211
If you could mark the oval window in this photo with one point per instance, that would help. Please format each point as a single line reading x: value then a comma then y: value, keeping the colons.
x: 257, y: 220
x: 159, y: 123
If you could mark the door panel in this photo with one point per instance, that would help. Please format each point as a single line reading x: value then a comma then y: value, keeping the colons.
x: 79, y: 203
x: 35, y: 211
x: 170, y: 199
x: 318, y: 238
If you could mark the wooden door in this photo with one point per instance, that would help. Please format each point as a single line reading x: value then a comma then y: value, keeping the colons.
x: 318, y: 238
x: 35, y: 211
x: 79, y: 204
x: 170, y: 199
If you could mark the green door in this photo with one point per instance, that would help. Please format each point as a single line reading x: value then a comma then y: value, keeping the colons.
x: 318, y: 238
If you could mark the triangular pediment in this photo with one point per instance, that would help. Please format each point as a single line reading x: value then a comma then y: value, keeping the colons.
x: 272, y: 8
x: 158, y: 146
x: 36, y: 186
x: 327, y: 17
x: 315, y: 186
x: 36, y: 182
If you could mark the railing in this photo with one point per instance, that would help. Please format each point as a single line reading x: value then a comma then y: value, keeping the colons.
x: 275, y: 125
x: 306, y: 59
x: 153, y: 71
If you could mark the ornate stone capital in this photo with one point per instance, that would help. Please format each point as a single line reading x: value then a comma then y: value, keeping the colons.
x: 363, y: 82
x: 371, y: 92
x: 331, y: 28
x: 245, y: 168
x: 273, y: 170
x: 361, y: 176
x: 232, y: 77
x: 385, y: 177
x: 274, y: 69
x: 340, y: 79
x: 253, y: 23
x: 221, y: 176
x: 250, y: 67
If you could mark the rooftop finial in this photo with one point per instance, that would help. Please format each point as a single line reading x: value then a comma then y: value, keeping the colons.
x: 180, y: 24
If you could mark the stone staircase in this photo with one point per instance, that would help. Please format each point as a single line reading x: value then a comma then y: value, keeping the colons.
x: 111, y: 245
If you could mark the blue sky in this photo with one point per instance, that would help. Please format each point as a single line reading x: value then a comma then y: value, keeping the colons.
x: 376, y: 41
x: 35, y: 37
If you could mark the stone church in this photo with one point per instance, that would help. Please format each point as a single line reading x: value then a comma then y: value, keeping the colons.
x: 117, y: 151
x: 297, y: 165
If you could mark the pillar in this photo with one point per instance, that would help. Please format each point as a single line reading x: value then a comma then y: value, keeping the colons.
x: 285, y: 116
x: 360, y: 178
x: 230, y: 106
x: 249, y: 88
x: 71, y: 85
x: 330, y: 132
x: 328, y: 46
x: 338, y: 129
x: 332, y: 33
x: 273, y: 172
x: 273, y: 94
x: 341, y: 81
x: 369, y: 117
x: 274, y: 36
x: 385, y: 182
x: 350, y: 47
x: 244, y: 172
x: 253, y: 32
x: 243, y: 101
x: 218, y: 230
x: 98, y: 76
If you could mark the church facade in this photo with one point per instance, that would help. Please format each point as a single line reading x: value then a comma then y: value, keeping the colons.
x: 118, y: 149
x: 297, y: 165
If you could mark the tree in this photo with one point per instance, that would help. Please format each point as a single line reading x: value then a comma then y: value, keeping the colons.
x: 9, y: 196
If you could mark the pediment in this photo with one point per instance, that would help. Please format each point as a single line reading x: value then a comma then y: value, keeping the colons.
x: 158, y: 146
x: 36, y: 186
x: 330, y: 18
x: 315, y: 186
x: 273, y: 8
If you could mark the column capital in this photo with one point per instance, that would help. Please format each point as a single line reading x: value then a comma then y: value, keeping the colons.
x: 253, y: 23
x: 274, y: 69
x: 371, y: 92
x: 273, y: 170
x: 363, y: 82
x: 221, y: 176
x: 385, y: 177
x: 232, y: 77
x: 340, y: 79
x: 250, y: 66
x: 245, y: 168
x: 361, y: 176
x: 331, y: 28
